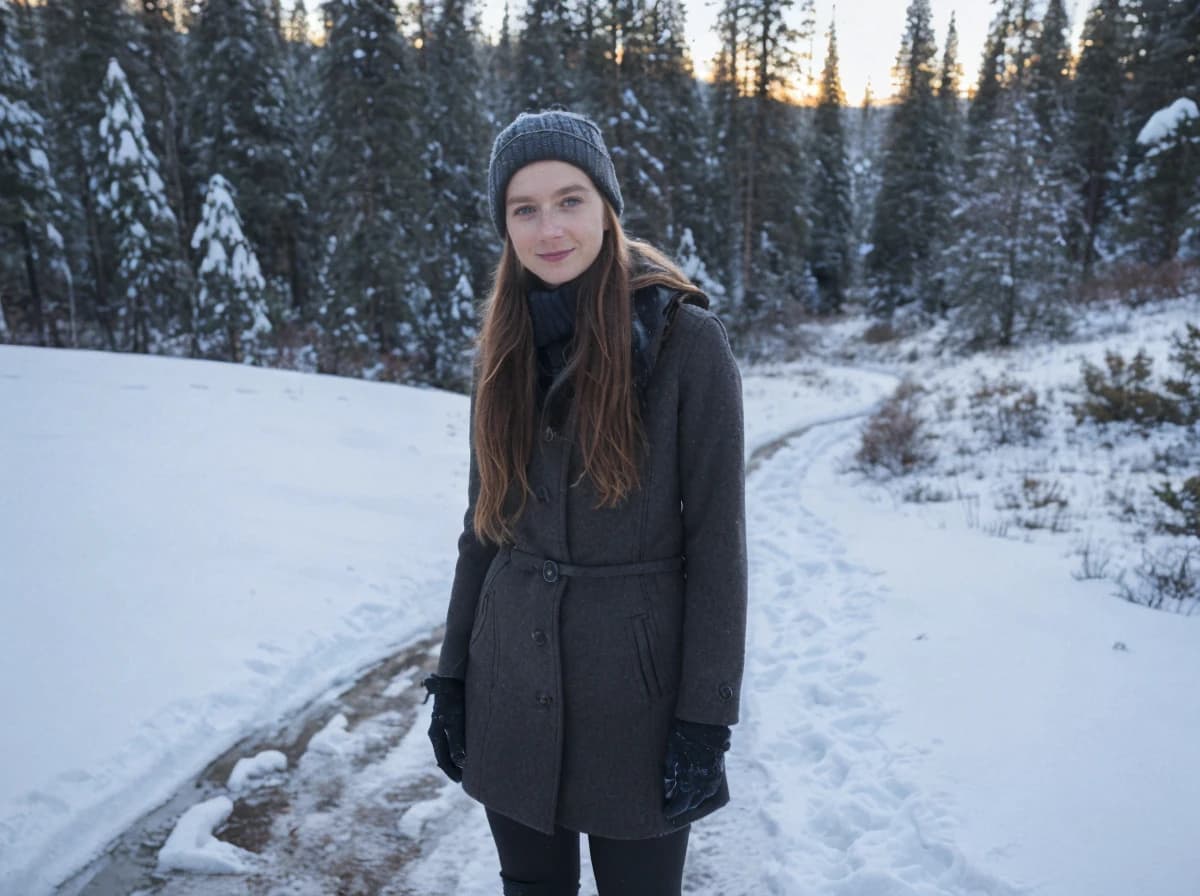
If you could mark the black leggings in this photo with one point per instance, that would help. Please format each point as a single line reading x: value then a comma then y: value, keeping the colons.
x: 537, y: 864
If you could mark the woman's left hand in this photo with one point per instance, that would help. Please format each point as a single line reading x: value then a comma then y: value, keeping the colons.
x: 695, y: 765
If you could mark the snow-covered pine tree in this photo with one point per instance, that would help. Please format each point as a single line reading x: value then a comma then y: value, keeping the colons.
x: 80, y: 36
x: 729, y: 147
x: 829, y: 252
x: 992, y: 75
x: 1096, y: 133
x: 950, y: 173
x: 161, y: 96
x: 1163, y: 190
x: 691, y: 262
x: 905, y: 234
x: 1050, y: 72
x: 663, y: 122
x: 375, y: 201
x: 230, y: 310
x: 774, y: 225
x: 459, y: 244
x: 545, y: 48
x: 302, y: 104
x: 1008, y: 272
x: 240, y: 122
x: 31, y: 206
x: 863, y: 148
x: 147, y: 285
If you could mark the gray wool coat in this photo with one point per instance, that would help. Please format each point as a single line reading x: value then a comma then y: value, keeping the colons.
x: 572, y: 679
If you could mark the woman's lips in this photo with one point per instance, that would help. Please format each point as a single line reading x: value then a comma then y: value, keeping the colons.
x: 556, y: 256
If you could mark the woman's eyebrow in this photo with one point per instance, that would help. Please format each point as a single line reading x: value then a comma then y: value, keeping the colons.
x: 569, y: 188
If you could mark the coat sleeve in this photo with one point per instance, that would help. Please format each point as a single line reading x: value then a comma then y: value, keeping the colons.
x: 713, y: 490
x: 474, y: 557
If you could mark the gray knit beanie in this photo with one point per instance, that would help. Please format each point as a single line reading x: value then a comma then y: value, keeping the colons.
x: 558, y: 135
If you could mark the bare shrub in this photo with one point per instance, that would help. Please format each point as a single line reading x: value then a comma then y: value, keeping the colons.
x: 894, y: 440
x: 1093, y: 562
x: 1007, y: 411
x: 1037, y: 504
x: 1137, y: 284
x: 1166, y: 579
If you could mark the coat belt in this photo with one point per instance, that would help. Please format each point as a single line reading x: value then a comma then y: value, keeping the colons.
x: 551, y: 570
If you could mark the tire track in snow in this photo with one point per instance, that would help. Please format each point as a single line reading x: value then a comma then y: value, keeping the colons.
x: 821, y: 805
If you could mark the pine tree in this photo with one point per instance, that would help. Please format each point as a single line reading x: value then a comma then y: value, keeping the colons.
x: 1161, y: 192
x: 1008, y: 271
x: 547, y: 44
x: 664, y: 126
x: 1096, y: 126
x: 80, y: 37
x: 376, y: 203
x: 131, y: 193
x: 231, y: 310
x: 132, y: 197
x: 241, y: 127
x: 864, y: 149
x: 1050, y: 72
x: 1163, y: 189
x: 460, y: 246
x: 30, y: 201
x: 905, y: 233
x: 831, y: 210
x: 774, y: 211
x: 992, y: 77
x: 160, y: 95
x: 948, y: 169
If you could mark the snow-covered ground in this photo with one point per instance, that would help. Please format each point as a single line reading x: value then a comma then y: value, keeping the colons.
x: 931, y: 705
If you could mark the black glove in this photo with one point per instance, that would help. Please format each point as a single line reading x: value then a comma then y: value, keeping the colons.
x: 695, y: 765
x: 447, y: 730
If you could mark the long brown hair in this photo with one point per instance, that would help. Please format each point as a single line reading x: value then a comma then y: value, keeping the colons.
x: 608, y: 423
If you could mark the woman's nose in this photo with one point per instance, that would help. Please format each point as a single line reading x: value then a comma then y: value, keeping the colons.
x: 551, y: 226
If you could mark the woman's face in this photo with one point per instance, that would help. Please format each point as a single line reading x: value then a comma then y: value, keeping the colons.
x: 555, y: 219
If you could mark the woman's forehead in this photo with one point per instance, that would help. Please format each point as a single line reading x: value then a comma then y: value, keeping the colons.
x: 544, y: 179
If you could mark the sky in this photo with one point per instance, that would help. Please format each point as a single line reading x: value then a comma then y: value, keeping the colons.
x: 869, y: 34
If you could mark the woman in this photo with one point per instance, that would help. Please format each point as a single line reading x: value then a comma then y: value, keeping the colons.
x: 595, y: 635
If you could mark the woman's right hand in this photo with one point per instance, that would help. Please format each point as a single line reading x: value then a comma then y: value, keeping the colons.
x: 447, y: 729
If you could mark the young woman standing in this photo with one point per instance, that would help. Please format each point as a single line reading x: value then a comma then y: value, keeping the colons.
x: 594, y: 643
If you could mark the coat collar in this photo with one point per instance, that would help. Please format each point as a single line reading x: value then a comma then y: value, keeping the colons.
x: 654, y: 308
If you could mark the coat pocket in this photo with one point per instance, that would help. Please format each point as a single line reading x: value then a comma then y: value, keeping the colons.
x: 647, y: 664
x: 481, y: 613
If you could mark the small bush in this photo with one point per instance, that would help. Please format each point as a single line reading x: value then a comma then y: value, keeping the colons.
x: 1123, y: 392
x: 894, y: 440
x: 1186, y: 387
x: 1183, y: 506
x: 1008, y: 412
x: 880, y: 332
x: 1037, y: 505
x: 1167, y: 579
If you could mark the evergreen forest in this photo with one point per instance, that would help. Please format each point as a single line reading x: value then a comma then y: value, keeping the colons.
x: 303, y: 185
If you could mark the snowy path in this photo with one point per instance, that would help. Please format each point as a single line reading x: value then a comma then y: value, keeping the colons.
x: 823, y: 805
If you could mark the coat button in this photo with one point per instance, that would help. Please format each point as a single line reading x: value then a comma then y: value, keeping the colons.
x: 543, y: 494
x: 539, y: 637
x: 726, y: 692
x: 550, y: 571
x: 544, y: 700
x: 548, y: 435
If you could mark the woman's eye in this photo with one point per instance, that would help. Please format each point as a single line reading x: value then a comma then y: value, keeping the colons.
x: 572, y: 200
x: 522, y: 210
